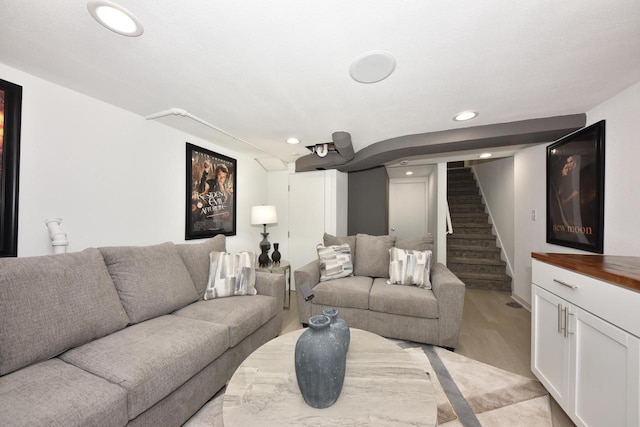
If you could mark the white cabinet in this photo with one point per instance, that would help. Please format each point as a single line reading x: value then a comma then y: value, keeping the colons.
x: 590, y: 365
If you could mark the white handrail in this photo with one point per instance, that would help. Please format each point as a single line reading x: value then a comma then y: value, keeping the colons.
x: 449, y: 225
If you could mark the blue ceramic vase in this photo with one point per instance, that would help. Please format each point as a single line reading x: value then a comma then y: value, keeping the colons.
x: 320, y: 361
x: 338, y: 326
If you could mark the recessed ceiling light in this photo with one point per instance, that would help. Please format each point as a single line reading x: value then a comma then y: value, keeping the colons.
x: 485, y: 155
x: 293, y: 141
x: 404, y: 162
x: 372, y: 67
x: 408, y: 173
x: 115, y: 17
x: 465, y: 115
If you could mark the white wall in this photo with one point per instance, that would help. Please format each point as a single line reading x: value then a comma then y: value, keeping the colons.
x: 495, y: 179
x: 114, y: 177
x: 622, y: 191
x: 440, y: 234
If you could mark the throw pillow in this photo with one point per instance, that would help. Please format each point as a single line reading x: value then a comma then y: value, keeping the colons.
x: 231, y: 274
x: 372, y: 255
x: 407, y: 267
x: 335, y: 261
x: 331, y: 240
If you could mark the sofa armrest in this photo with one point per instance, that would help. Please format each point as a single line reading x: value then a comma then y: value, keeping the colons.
x: 307, y: 274
x: 449, y: 291
x: 272, y: 285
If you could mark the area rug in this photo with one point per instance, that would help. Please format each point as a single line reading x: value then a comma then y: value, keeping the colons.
x: 468, y: 393
x: 471, y: 394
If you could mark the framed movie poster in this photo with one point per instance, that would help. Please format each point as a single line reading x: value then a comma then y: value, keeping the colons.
x: 10, y: 118
x: 211, y: 196
x: 575, y: 189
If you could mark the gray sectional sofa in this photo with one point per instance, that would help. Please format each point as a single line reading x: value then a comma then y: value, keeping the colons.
x: 121, y: 336
x: 366, y: 301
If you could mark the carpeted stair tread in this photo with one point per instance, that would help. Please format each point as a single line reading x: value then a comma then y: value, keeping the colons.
x: 465, y: 198
x: 478, y: 261
x: 455, y: 236
x: 473, y: 252
x: 494, y: 277
x: 471, y: 228
x: 462, y: 191
x: 466, y: 208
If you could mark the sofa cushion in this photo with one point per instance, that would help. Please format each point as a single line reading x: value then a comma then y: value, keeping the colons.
x: 151, y: 280
x: 335, y: 261
x: 346, y: 292
x: 153, y: 358
x: 331, y: 240
x: 231, y: 274
x: 407, y: 267
x: 424, y: 243
x: 54, y: 393
x: 241, y: 315
x: 404, y: 300
x: 49, y: 304
x: 196, y: 259
x: 372, y: 255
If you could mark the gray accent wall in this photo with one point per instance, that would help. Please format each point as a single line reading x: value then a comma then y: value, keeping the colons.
x: 368, y: 202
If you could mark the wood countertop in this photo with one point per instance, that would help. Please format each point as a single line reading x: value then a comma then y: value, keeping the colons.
x: 621, y: 270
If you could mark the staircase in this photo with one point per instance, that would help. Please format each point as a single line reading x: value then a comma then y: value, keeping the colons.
x: 472, y: 253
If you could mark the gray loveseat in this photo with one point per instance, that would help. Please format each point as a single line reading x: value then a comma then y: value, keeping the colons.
x: 366, y: 301
x: 121, y: 335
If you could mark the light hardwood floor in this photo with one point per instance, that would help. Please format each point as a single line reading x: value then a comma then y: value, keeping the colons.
x: 492, y: 332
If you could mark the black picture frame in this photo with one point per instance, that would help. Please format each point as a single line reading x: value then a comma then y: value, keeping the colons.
x: 10, y: 125
x: 575, y: 189
x: 211, y: 202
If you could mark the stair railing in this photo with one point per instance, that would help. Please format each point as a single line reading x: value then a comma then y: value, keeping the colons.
x: 449, y: 225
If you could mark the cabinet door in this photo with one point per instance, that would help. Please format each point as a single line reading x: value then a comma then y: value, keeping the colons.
x: 604, y: 374
x: 550, y: 348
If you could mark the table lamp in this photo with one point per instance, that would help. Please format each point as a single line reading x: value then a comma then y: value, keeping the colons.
x: 264, y: 215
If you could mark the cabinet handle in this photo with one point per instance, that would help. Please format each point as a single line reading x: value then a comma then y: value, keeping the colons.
x: 563, y: 318
x: 559, y: 318
x: 568, y: 285
x: 566, y: 323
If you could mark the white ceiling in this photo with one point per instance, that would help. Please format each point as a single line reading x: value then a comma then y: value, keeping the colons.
x: 263, y: 71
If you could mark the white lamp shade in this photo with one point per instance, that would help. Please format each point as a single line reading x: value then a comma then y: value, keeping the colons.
x: 263, y: 215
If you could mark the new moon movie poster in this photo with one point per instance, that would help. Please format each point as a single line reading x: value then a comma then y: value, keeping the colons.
x: 575, y: 190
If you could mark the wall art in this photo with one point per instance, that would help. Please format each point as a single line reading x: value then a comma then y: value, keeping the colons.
x: 575, y: 189
x: 211, y: 195
x: 10, y: 123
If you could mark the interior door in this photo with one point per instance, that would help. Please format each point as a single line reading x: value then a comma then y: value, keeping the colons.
x: 408, y: 207
x: 306, y: 216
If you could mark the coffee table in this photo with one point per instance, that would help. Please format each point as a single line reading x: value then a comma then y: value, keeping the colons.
x: 383, y: 386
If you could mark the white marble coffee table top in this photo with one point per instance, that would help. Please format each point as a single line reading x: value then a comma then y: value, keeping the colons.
x: 383, y: 386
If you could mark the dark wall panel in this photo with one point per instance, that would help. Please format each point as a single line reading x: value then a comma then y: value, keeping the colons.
x: 368, y: 202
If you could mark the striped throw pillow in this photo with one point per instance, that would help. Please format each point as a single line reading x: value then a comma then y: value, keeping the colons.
x: 335, y: 261
x: 407, y: 267
x: 231, y: 274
